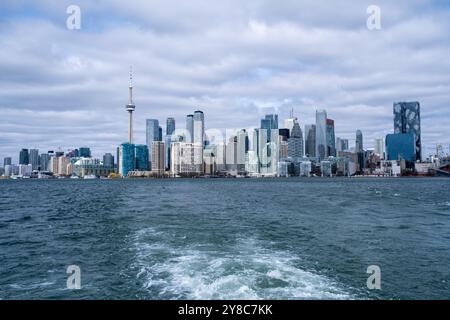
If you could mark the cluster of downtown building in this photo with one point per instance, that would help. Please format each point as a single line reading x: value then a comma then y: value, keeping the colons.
x: 270, y: 150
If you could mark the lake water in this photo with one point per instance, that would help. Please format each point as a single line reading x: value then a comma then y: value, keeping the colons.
x: 225, y: 238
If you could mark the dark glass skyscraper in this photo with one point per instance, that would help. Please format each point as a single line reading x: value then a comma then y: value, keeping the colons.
x: 170, y: 126
x: 34, y: 158
x: 24, y: 157
x: 407, y: 120
x: 7, y: 161
x: 331, y: 141
x: 310, y: 140
x: 170, y: 129
x: 142, y: 157
x: 190, y: 128
x: 359, y: 145
x: 44, y: 159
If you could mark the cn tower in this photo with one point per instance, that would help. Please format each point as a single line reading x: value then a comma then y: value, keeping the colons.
x: 130, y: 108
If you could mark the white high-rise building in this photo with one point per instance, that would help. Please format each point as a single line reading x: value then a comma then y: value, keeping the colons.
x: 242, y: 149
x: 273, y: 152
x: 379, y: 147
x: 199, y: 133
x: 231, y: 155
x: 8, y: 170
x: 25, y: 170
x: 185, y: 159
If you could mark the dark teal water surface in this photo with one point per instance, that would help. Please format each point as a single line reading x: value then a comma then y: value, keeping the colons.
x: 225, y: 239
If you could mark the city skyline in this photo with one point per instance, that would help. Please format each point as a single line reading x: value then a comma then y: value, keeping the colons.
x: 58, y: 92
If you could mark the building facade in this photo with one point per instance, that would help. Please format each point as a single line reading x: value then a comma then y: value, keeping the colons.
x: 159, y: 157
x: 127, y: 158
x: 407, y: 120
x: 310, y: 140
x: 321, y: 134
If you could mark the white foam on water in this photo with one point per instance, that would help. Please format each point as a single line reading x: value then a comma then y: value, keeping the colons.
x: 32, y: 286
x: 245, y: 271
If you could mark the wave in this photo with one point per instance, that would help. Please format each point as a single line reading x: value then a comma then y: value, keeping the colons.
x: 245, y: 270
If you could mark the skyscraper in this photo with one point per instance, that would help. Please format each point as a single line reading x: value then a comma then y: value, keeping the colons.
x: 401, y: 146
x: 170, y: 129
x: 231, y: 154
x: 130, y: 108
x: 344, y: 144
x: 199, y: 128
x: 34, y: 159
x: 152, y: 131
x: 242, y: 149
x: 108, y: 160
x: 295, y: 142
x: 359, y: 150
x: 142, y: 158
x: 44, y: 160
x: 152, y: 134
x: 185, y: 159
x: 331, y: 141
x: 338, y: 145
x: 310, y: 140
x: 407, y: 120
x: 127, y: 158
x: 379, y: 147
x: 158, y: 156
x: 269, y: 122
x: 321, y: 134
x: 170, y: 126
x: 199, y: 134
x: 7, y: 161
x: 190, y: 128
x: 359, y: 145
x: 24, y: 157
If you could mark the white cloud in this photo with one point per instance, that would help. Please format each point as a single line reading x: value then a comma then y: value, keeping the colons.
x: 235, y: 60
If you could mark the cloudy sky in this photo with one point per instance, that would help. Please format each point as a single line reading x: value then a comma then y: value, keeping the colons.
x: 235, y: 60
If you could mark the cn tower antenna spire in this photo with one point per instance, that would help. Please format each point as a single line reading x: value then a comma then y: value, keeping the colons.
x: 130, y: 108
x: 131, y: 86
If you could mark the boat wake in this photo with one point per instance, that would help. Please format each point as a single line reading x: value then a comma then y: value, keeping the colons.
x: 171, y: 269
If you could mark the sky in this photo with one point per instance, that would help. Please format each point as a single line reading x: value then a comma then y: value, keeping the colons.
x: 235, y: 60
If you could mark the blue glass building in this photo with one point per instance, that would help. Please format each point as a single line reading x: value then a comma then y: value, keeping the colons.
x: 142, y: 158
x: 401, y: 146
x: 407, y: 120
x: 127, y: 158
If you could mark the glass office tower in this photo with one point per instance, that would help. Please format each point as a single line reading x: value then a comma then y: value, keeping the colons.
x: 321, y: 134
x: 407, y: 120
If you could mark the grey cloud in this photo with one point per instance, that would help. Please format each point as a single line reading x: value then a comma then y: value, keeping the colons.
x: 234, y: 60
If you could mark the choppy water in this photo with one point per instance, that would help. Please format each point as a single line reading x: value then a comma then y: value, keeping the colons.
x: 225, y: 239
